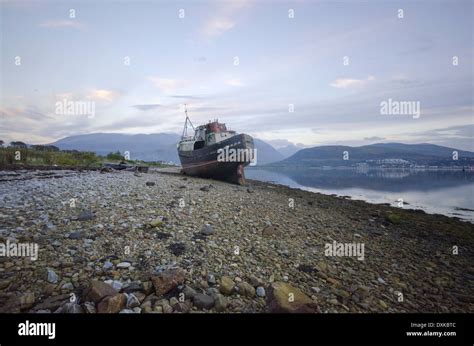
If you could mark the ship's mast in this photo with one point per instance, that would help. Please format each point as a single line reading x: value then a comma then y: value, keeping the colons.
x: 185, y: 130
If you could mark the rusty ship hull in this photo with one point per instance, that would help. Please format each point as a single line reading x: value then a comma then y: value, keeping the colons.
x: 205, y: 163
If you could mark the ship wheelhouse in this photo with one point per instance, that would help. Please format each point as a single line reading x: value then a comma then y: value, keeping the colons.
x: 217, y: 132
x: 205, y: 135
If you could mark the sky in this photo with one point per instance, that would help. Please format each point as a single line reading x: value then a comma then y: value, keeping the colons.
x: 303, y: 72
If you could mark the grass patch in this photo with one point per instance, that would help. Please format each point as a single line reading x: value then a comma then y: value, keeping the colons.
x: 393, y: 218
x: 28, y: 156
x: 73, y: 158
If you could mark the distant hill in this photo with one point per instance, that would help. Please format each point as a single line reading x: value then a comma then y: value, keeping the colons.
x: 422, y: 154
x: 151, y: 147
x: 266, y: 153
x: 288, y: 150
x: 424, y: 149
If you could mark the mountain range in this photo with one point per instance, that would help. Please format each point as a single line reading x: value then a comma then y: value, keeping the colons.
x: 148, y: 147
x: 339, y: 155
x: 162, y: 147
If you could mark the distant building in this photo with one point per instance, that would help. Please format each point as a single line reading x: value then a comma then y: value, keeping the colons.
x: 393, y: 162
x: 388, y: 162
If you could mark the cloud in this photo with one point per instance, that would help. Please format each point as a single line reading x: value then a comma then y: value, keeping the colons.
x: 91, y: 94
x: 282, y: 143
x: 402, y: 80
x: 224, y: 18
x: 168, y: 85
x: 102, y: 95
x: 46, y: 126
x: 146, y: 107
x: 349, y: 83
x: 65, y: 95
x: 417, y: 45
x: 217, y: 26
x: 186, y: 97
x: 459, y: 137
x: 462, y: 131
x: 62, y: 24
x: 209, y: 109
x: 16, y: 113
x: 234, y: 82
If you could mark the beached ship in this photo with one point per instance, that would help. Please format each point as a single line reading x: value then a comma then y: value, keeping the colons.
x: 212, y: 151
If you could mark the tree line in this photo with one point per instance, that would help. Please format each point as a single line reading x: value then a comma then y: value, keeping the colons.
x: 22, y: 145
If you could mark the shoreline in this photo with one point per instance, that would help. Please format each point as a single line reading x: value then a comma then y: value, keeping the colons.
x: 257, y: 244
x: 390, y: 207
x: 351, y: 198
x: 375, y: 195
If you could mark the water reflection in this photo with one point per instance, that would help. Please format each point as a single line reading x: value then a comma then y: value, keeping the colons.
x: 446, y: 192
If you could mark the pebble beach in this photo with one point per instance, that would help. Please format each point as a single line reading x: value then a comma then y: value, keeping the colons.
x: 160, y: 242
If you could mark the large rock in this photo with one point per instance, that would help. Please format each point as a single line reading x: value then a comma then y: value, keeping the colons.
x: 182, y: 307
x: 246, y: 289
x: 255, y: 281
x: 133, y: 287
x: 227, y: 285
x: 157, y: 222
x: 363, y: 291
x: 112, y: 304
x: 270, y: 231
x: 207, y: 229
x: 89, y: 308
x: 98, y: 290
x: 76, y: 235
x: 203, y: 301
x: 189, y: 292
x: 52, y: 303
x: 124, y: 265
x: 52, y: 276
x: 220, y: 302
x: 132, y: 301
x: 283, y: 298
x: 261, y: 291
x: 27, y: 300
x: 167, y: 281
x: 86, y: 215
x: 20, y: 303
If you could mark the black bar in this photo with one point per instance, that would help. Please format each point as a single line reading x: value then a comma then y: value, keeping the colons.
x: 261, y: 329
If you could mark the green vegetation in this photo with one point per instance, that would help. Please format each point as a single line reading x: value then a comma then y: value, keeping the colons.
x: 38, y: 155
x: 30, y: 156
x: 393, y: 218
x: 115, y: 156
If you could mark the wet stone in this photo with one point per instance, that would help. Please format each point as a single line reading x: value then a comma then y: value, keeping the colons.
x: 260, y: 291
x: 76, y: 235
x: 52, y: 276
x: 97, y: 290
x: 203, y: 301
x: 207, y: 229
x: 162, y: 235
x: 86, y: 215
x: 177, y: 249
x: 306, y: 268
x: 226, y: 285
x: 167, y: 281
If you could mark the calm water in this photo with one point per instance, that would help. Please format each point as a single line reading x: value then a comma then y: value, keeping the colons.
x: 442, y: 192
